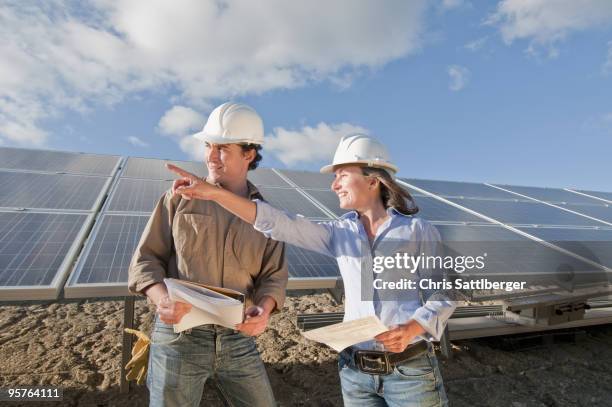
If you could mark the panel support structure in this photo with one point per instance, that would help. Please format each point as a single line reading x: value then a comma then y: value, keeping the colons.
x: 128, y: 322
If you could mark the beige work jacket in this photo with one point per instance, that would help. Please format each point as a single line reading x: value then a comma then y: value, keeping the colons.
x: 200, y: 241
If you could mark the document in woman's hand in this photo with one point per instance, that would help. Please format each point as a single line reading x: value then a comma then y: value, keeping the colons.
x: 210, y: 305
x: 345, y: 334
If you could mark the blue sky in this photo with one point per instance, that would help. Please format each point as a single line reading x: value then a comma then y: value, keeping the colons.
x: 509, y: 91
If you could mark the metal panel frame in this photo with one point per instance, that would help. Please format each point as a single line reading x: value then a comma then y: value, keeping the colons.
x: 480, y: 327
x: 51, y: 291
x: 590, y: 195
x: 422, y: 190
x: 586, y: 200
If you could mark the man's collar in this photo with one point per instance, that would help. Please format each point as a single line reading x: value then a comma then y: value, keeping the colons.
x: 252, y: 191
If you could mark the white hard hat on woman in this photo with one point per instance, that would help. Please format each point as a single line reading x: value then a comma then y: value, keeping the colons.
x: 364, y: 150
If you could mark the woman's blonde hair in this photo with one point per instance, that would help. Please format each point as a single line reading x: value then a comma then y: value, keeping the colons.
x: 391, y: 193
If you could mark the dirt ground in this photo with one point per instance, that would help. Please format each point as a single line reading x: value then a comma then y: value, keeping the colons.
x: 77, y: 346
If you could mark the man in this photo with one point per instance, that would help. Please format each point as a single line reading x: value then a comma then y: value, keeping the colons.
x: 200, y: 241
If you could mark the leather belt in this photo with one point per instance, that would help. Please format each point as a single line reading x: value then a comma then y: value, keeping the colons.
x: 382, y: 363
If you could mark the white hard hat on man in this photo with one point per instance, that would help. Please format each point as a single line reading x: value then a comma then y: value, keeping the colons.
x: 232, y: 123
x: 362, y: 150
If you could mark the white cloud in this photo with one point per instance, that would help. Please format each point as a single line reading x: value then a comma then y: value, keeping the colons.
x: 193, y: 147
x: 545, y: 22
x: 607, y: 66
x: 22, y: 133
x: 309, y: 144
x: 476, y: 45
x: 459, y: 77
x: 180, y: 120
x: 452, y: 4
x: 136, y: 142
x: 64, y: 55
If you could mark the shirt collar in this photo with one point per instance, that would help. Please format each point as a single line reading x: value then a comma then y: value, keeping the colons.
x: 353, y: 215
x: 252, y: 191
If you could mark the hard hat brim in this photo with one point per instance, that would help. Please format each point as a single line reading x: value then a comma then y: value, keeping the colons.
x: 223, y: 140
x: 328, y: 169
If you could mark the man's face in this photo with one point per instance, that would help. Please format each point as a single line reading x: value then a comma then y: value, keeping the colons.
x: 226, y: 162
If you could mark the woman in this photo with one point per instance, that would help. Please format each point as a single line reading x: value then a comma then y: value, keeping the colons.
x: 406, y: 373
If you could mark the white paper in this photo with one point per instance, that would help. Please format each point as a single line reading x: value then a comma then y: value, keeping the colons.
x: 208, y: 307
x: 342, y: 335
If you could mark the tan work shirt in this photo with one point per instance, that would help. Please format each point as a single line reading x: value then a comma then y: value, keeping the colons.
x: 200, y: 241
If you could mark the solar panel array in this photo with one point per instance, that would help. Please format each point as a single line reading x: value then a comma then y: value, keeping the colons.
x: 57, y: 161
x: 50, y: 202
x: 103, y: 266
x: 568, y: 221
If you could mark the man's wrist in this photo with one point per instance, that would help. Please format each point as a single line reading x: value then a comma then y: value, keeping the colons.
x: 268, y: 304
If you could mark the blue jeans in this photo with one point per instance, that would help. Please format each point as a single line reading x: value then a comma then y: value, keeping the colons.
x: 416, y: 382
x: 180, y: 364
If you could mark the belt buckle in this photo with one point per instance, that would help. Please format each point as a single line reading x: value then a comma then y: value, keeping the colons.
x: 373, y: 362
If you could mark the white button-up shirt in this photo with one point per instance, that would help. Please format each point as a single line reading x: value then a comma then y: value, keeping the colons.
x: 345, y: 239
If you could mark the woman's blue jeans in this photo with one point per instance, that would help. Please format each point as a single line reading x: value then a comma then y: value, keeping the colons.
x: 416, y: 382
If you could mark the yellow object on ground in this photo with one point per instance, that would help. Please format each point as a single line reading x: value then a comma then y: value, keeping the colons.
x: 136, y: 368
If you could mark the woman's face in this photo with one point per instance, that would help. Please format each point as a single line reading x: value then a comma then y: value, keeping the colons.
x: 355, y: 191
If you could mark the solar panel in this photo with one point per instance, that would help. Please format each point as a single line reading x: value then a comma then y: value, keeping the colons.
x: 603, y: 195
x: 328, y: 199
x: 525, y: 213
x: 511, y: 254
x: 429, y: 208
x: 102, y: 269
x: 593, y: 244
x: 57, y: 161
x: 267, y: 177
x: 597, y: 211
x: 50, y: 191
x: 308, y: 264
x: 461, y: 189
x: 292, y: 201
x: 149, y: 168
x: 305, y: 179
x: 36, y: 250
x: 137, y: 195
x: 436, y: 211
x: 552, y: 195
x: 103, y: 266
